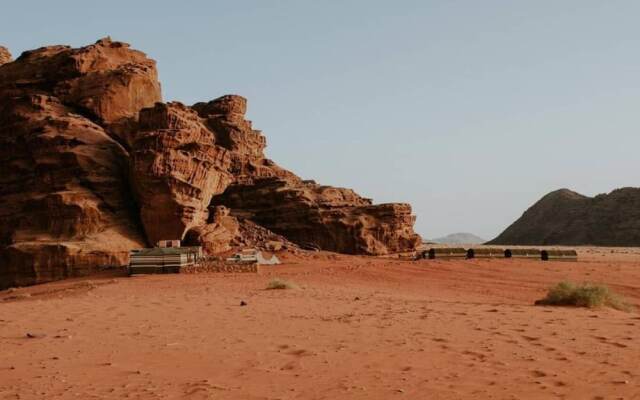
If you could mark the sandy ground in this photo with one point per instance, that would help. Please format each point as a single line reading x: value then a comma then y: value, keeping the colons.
x: 358, y: 328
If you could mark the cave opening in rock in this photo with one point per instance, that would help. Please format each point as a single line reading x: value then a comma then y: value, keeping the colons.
x: 507, y: 253
x: 191, y: 238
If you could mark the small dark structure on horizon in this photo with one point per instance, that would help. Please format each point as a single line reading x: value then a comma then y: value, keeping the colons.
x: 559, y: 255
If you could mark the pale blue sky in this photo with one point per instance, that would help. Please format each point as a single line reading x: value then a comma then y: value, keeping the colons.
x: 469, y: 110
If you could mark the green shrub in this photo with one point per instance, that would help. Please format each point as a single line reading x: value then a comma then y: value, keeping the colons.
x: 585, y: 295
x: 278, y: 283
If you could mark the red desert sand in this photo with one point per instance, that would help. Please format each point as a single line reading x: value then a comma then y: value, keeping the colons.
x: 356, y: 328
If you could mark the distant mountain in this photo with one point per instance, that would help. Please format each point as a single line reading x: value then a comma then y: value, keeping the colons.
x: 459, y: 238
x: 564, y: 217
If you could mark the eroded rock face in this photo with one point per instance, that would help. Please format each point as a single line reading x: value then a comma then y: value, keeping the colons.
x: 564, y: 217
x: 93, y: 164
x: 5, y: 55
x: 256, y: 236
x: 107, y: 81
x: 304, y: 212
x: 65, y: 203
x: 176, y: 168
x: 225, y: 117
x: 324, y: 217
x: 216, y: 236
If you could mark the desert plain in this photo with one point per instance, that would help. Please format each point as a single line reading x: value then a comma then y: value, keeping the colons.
x: 355, y: 328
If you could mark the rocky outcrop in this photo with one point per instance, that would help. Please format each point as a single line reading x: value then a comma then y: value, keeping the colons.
x: 323, y: 217
x: 176, y: 168
x: 564, y: 217
x: 93, y: 164
x: 257, y: 236
x: 65, y: 203
x: 5, y: 55
x: 304, y: 212
x: 65, y: 207
x: 106, y: 81
x: 225, y: 117
x: 218, y: 235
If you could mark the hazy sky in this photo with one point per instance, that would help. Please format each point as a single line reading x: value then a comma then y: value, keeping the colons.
x: 469, y: 110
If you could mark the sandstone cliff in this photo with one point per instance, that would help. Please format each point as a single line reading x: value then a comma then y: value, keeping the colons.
x: 176, y: 169
x: 93, y: 164
x: 65, y: 204
x: 564, y: 217
x: 5, y: 55
x: 325, y: 217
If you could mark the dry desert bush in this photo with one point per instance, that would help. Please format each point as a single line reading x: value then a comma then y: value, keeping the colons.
x: 278, y: 283
x: 585, y: 295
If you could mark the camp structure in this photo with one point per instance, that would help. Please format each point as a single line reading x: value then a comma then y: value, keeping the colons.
x: 559, y: 255
x: 523, y: 253
x: 253, y: 256
x: 444, y: 252
x: 485, y: 252
x: 168, y: 243
x: 163, y: 260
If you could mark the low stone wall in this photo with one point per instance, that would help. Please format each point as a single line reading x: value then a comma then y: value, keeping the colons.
x: 220, y: 266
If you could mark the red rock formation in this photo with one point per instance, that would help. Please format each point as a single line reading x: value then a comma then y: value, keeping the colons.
x: 180, y: 158
x: 225, y: 117
x: 256, y: 236
x: 308, y: 214
x: 176, y: 169
x: 92, y: 164
x: 5, y: 55
x: 218, y: 235
x: 107, y: 81
x: 65, y: 205
x: 324, y: 217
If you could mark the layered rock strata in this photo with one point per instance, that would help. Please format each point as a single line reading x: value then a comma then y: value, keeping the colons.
x: 5, y: 55
x: 93, y: 164
x: 323, y: 217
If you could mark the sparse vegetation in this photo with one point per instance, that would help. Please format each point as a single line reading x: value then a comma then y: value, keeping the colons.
x: 586, y: 295
x: 278, y: 283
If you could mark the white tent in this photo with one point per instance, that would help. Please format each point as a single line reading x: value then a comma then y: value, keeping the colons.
x: 253, y: 256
